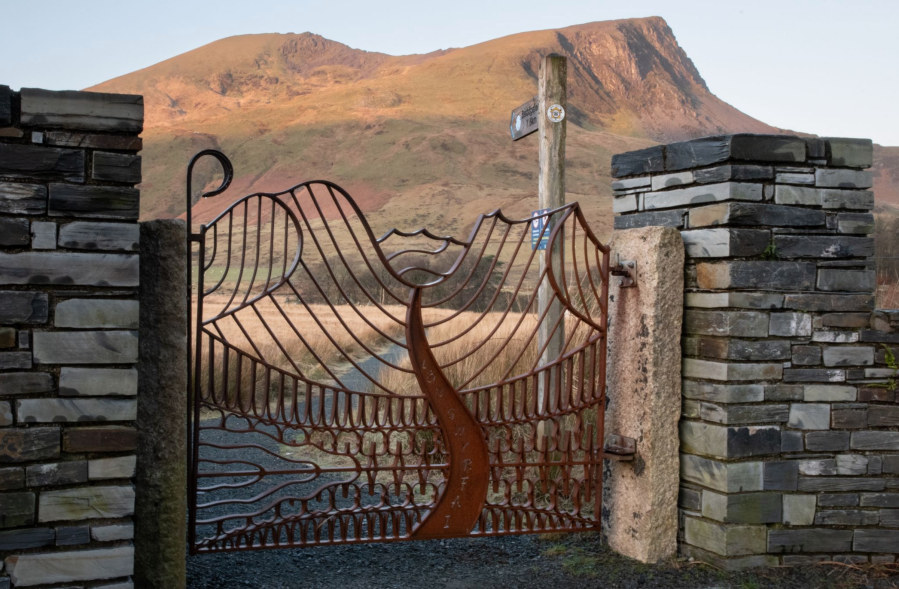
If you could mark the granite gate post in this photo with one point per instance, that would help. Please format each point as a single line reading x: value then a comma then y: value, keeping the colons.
x: 789, y: 432
x: 644, y: 373
x: 160, y: 558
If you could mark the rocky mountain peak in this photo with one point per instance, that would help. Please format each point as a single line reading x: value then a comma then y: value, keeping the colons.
x: 416, y: 134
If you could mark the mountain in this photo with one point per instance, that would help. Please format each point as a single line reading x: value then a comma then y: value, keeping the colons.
x: 417, y: 139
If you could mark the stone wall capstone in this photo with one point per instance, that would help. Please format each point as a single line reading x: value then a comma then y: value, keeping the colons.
x: 68, y: 336
x: 789, y: 432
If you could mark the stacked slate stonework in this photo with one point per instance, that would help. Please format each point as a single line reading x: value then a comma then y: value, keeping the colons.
x: 790, y: 426
x: 68, y: 336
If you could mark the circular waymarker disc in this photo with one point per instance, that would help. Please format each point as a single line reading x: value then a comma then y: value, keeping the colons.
x: 555, y: 113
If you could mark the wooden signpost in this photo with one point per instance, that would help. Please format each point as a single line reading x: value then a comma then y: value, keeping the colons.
x: 546, y: 115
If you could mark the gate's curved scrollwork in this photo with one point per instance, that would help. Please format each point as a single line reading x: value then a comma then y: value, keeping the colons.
x: 349, y: 388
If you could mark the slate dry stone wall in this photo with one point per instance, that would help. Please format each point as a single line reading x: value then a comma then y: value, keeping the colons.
x: 790, y: 425
x: 68, y: 336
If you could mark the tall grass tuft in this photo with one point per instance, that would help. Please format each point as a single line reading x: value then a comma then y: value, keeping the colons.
x: 886, y: 240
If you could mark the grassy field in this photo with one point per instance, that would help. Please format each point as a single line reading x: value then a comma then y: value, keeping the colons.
x: 888, y: 292
x: 323, y: 341
x: 307, y: 341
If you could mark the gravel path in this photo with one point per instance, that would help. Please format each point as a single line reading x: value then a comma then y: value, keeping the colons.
x: 515, y: 562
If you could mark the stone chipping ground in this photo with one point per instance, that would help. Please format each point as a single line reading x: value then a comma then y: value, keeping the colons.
x: 514, y: 562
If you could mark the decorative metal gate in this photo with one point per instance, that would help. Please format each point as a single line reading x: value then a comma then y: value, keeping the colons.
x: 348, y: 388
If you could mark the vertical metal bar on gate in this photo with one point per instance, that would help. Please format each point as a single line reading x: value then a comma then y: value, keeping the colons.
x: 601, y: 380
x: 190, y: 262
x: 192, y: 417
x: 194, y: 445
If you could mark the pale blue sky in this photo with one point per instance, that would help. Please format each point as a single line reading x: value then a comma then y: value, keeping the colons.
x: 827, y: 67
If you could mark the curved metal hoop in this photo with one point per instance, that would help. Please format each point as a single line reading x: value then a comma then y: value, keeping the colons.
x: 227, y: 168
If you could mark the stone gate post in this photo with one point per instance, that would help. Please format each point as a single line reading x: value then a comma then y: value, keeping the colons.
x: 644, y: 356
x: 160, y: 558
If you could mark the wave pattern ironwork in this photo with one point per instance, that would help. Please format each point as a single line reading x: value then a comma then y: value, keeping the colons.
x: 352, y: 388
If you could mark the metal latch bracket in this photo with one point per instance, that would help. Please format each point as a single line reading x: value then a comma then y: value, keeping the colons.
x: 627, y: 270
x: 619, y: 448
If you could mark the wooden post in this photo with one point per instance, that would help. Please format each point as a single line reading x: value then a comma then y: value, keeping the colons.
x: 552, y: 92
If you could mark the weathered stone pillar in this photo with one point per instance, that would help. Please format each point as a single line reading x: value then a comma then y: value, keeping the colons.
x: 644, y: 372
x: 162, y: 474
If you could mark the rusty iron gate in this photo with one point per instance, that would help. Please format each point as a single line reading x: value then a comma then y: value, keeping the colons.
x: 351, y: 388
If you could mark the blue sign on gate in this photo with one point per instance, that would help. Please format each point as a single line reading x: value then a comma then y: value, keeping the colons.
x: 538, y: 222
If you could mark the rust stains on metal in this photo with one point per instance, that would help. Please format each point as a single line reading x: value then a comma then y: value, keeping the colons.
x: 465, y: 489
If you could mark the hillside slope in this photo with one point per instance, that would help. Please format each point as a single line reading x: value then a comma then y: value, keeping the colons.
x: 886, y: 175
x: 419, y: 139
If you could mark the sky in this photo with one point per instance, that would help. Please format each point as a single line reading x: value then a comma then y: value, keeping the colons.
x: 826, y: 67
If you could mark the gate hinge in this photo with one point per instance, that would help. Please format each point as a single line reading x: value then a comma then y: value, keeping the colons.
x: 627, y: 270
x: 619, y: 448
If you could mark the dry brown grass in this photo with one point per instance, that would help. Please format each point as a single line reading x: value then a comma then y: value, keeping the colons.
x: 497, y: 348
x: 503, y: 349
x: 496, y: 333
x: 886, y: 245
x: 887, y: 291
x: 329, y: 334
x: 324, y: 348
x: 888, y: 296
x: 318, y: 342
